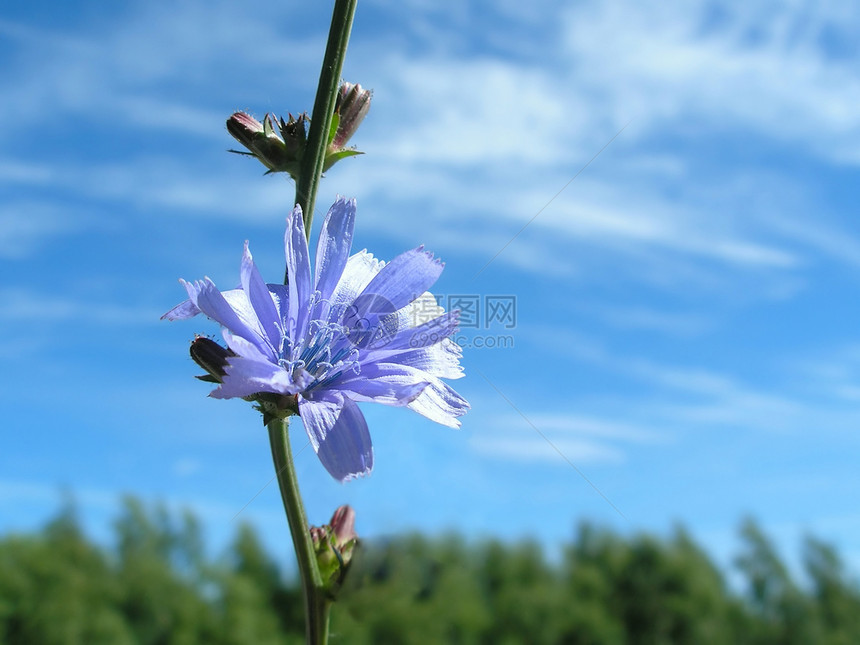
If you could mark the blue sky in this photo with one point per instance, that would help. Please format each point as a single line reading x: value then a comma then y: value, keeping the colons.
x: 687, y: 330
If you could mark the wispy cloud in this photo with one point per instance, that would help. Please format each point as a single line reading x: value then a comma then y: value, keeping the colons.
x: 483, y: 162
x: 708, y: 65
x: 26, y: 306
x: 580, y: 438
x: 585, y: 426
x: 685, y: 398
x: 673, y: 323
x: 142, y: 70
x: 25, y: 225
x: 534, y: 449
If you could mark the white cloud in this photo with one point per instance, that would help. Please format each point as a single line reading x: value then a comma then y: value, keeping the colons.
x: 668, y: 70
x: 698, y: 398
x: 661, y: 226
x: 486, y: 140
x: 27, y: 173
x: 578, y: 425
x: 26, y: 224
x: 579, y: 438
x: 535, y: 448
x: 470, y: 112
x: 145, y: 71
x: 26, y: 306
x: 769, y: 73
x: 674, y: 323
x: 833, y: 373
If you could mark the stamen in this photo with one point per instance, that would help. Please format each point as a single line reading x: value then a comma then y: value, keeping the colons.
x: 325, y: 353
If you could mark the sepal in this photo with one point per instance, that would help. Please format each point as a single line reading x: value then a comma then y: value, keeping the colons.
x: 334, y: 545
x: 277, y: 153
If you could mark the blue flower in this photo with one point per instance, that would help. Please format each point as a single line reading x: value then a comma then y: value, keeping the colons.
x: 351, y: 333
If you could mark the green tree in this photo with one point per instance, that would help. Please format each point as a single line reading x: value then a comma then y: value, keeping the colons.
x: 523, y: 594
x: 781, y: 615
x: 157, y: 586
x: 255, y: 604
x: 836, y: 598
x: 411, y: 590
x: 58, y: 589
x: 162, y: 605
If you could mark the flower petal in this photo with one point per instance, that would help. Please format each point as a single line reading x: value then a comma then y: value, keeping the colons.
x: 243, y: 348
x: 298, y: 275
x: 423, y: 308
x: 281, y: 297
x: 441, y: 359
x: 398, y: 283
x: 385, y: 383
x: 261, y: 300
x: 435, y: 400
x: 335, y: 242
x: 299, y: 378
x: 440, y: 403
x: 182, y: 311
x: 205, y: 295
x: 360, y: 269
x: 238, y: 301
x: 247, y: 376
x: 339, y: 435
x: 424, y: 335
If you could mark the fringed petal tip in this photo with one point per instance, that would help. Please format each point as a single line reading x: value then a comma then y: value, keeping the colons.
x: 359, y: 475
x: 338, y: 432
x: 441, y: 403
x: 430, y: 255
x: 340, y: 201
x: 182, y: 311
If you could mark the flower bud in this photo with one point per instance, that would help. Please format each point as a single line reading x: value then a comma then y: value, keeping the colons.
x: 334, y: 544
x: 277, y: 154
x: 351, y: 106
x: 343, y: 525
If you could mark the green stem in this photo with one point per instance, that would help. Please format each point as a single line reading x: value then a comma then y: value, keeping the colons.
x: 314, y: 156
x: 317, y: 604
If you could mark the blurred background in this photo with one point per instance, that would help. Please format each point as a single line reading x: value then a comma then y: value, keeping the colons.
x: 649, y: 212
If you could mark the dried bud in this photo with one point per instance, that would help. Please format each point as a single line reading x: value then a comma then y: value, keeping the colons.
x: 277, y: 154
x: 334, y: 545
x: 211, y: 357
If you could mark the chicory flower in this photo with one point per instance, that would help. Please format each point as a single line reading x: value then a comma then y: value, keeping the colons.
x: 352, y: 332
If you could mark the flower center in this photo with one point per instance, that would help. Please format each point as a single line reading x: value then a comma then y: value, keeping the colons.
x: 325, y: 354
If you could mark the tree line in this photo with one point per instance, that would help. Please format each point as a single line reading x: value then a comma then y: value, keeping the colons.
x: 156, y: 586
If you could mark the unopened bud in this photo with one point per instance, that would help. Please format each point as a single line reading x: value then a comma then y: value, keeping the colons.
x: 262, y: 141
x: 334, y: 544
x: 351, y: 106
